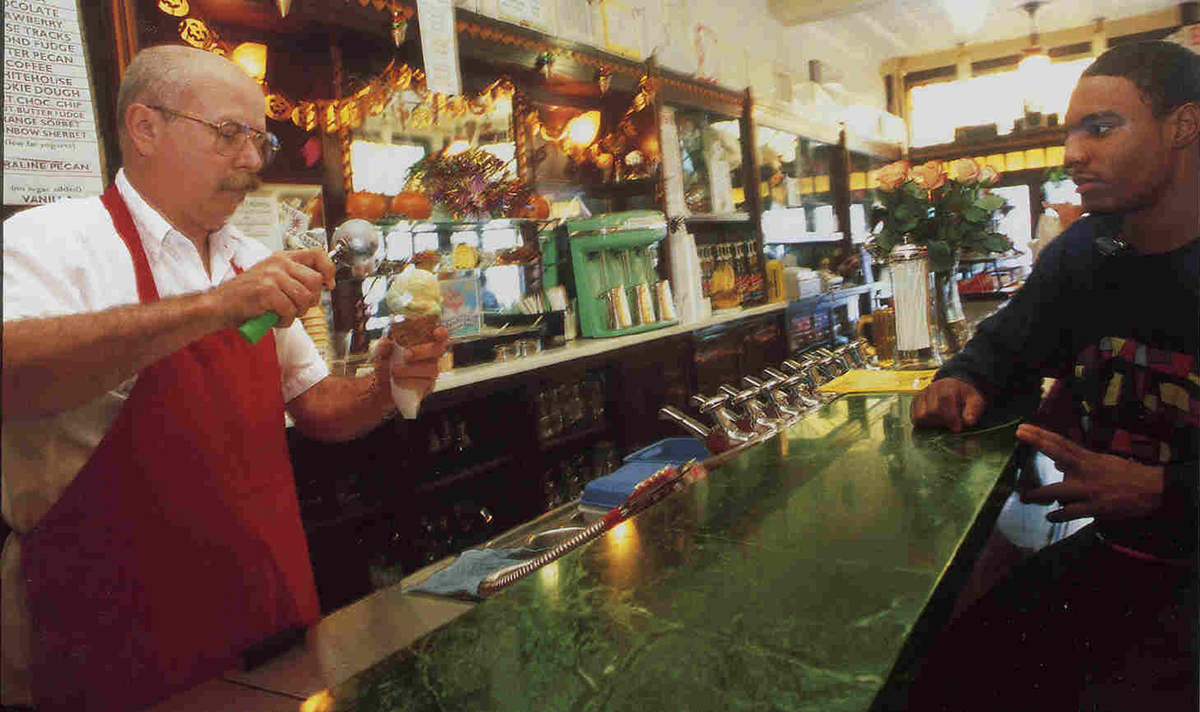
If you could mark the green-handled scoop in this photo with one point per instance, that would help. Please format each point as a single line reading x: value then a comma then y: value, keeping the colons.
x: 256, y: 328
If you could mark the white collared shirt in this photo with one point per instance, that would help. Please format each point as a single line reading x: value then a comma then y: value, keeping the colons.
x: 67, y: 258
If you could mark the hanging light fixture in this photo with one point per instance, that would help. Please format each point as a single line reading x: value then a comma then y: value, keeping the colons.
x: 1035, y: 58
x: 1035, y: 62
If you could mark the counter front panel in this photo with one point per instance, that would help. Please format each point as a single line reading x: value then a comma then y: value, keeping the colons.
x: 790, y: 578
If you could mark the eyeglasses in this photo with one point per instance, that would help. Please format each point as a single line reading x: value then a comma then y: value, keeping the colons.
x: 232, y: 136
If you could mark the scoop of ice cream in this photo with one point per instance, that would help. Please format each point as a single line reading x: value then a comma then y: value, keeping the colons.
x: 415, y: 292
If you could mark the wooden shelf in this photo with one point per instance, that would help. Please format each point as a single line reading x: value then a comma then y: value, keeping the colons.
x: 466, y: 473
x: 718, y: 218
x: 574, y: 437
x: 1020, y: 141
x: 354, y: 513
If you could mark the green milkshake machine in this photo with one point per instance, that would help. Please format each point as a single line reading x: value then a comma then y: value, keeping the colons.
x: 608, y: 263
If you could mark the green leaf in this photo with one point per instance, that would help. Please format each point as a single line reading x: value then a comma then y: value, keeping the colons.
x: 976, y: 215
x: 995, y: 242
x: 940, y: 256
x: 990, y: 202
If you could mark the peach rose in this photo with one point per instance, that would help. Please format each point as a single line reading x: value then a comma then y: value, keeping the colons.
x: 929, y: 175
x: 988, y: 175
x: 893, y: 175
x: 964, y: 170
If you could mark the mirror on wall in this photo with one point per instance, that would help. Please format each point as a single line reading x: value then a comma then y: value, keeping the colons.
x: 794, y: 175
x: 409, y: 128
x: 711, y: 162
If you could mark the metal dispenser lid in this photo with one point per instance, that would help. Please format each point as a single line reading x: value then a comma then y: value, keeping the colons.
x: 907, y: 252
x: 629, y: 221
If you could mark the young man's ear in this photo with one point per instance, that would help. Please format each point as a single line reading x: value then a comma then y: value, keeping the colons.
x: 1186, y: 120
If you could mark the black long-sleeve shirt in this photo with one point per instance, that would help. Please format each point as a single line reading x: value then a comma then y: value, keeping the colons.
x: 1122, y: 335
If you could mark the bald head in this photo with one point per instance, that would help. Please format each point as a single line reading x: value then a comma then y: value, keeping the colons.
x: 168, y: 75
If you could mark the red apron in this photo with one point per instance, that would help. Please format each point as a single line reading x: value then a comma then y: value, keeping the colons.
x: 179, y: 543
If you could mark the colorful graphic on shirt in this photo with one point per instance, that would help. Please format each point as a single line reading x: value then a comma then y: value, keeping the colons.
x: 1129, y: 399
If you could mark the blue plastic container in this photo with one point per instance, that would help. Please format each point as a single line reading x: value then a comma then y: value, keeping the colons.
x: 672, y: 450
x: 609, y: 491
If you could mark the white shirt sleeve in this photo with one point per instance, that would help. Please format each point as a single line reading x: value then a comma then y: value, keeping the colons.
x: 60, y: 259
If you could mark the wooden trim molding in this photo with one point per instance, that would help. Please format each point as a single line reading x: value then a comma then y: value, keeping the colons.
x: 125, y: 33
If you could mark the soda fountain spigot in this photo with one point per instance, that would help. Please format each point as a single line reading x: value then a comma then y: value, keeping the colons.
x: 794, y: 387
x: 724, y: 421
x: 714, y: 439
x: 776, y: 401
x: 751, y: 408
x: 831, y: 361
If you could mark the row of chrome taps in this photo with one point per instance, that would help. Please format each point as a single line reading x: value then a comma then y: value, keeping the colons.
x: 766, y: 404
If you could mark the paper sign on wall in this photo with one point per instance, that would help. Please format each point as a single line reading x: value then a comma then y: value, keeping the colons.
x: 439, y: 46
x: 622, y: 29
x: 528, y: 13
x: 51, y: 143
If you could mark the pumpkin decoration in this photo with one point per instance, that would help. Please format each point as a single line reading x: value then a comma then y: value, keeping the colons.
x: 368, y: 206
x: 412, y: 204
x: 537, y: 209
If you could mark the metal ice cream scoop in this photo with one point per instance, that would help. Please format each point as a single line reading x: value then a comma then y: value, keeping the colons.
x: 355, y: 243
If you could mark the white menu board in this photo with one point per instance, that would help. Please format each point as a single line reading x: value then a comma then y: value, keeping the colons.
x: 51, y: 143
x: 439, y: 46
x: 530, y: 13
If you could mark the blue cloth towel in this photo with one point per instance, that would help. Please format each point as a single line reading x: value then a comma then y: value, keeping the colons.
x: 462, y: 578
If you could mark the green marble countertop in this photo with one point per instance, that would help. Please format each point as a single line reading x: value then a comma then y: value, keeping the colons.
x: 803, y: 574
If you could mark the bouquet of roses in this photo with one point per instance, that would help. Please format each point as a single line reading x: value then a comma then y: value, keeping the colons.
x: 946, y: 207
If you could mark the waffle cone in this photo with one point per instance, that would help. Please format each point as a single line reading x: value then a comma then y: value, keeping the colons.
x: 414, y: 330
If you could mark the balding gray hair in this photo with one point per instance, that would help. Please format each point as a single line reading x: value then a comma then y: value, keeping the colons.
x: 160, y: 76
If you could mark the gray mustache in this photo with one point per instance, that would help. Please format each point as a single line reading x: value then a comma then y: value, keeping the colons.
x: 245, y: 181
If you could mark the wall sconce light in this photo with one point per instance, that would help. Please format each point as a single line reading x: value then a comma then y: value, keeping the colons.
x: 252, y: 57
x: 583, y: 129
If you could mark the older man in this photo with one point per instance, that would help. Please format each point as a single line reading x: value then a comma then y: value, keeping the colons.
x: 146, y: 472
x: 1106, y: 618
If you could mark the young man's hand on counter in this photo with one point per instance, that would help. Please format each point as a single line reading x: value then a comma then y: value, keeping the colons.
x: 948, y: 403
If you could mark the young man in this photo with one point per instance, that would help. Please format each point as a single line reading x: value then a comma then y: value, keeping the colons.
x: 156, y: 531
x: 1105, y: 619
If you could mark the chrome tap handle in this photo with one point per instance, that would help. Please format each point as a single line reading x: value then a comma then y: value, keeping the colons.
x: 754, y: 384
x: 706, y: 405
x: 736, y: 397
x: 851, y: 354
x: 785, y: 381
x: 839, y: 363
x: 726, y: 423
x: 818, y: 371
x: 763, y: 423
x: 693, y: 426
